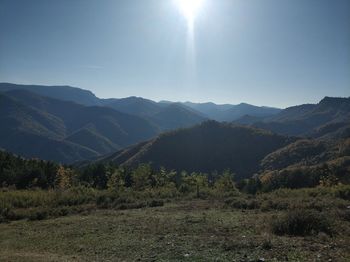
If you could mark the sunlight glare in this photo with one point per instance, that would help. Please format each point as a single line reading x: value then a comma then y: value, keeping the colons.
x: 189, y: 8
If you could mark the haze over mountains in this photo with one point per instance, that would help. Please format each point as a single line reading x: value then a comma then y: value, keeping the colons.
x: 315, y: 120
x: 69, y: 124
x: 145, y: 107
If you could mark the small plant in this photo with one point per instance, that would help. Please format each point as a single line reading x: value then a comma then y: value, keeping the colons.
x: 301, y: 222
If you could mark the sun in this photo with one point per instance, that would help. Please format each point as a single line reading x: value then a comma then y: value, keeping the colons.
x: 189, y: 8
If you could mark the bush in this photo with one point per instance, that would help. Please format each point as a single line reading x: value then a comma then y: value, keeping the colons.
x: 241, y: 203
x: 275, y: 204
x: 5, y: 211
x: 267, y: 244
x: 38, y: 215
x: 343, y: 192
x: 301, y: 222
x: 156, y: 203
x: 344, y: 215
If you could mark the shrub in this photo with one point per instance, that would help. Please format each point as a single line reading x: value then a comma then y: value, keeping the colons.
x: 275, y: 204
x: 241, y: 203
x: 344, y: 215
x: 38, y: 214
x: 267, y: 244
x: 301, y: 222
x: 156, y: 203
x: 343, y: 192
x: 5, y: 211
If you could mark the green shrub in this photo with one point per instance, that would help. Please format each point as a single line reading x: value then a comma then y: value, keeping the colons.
x: 301, y: 222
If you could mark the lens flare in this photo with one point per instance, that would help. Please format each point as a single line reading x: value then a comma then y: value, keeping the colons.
x: 189, y: 9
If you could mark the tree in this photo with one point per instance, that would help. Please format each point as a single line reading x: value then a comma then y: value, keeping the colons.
x: 116, y: 180
x: 225, y: 183
x: 64, y: 177
x: 141, y: 177
x: 96, y: 175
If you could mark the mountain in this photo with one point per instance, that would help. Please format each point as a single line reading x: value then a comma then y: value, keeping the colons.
x: 165, y: 116
x: 230, y: 113
x: 245, y: 109
x: 305, y: 151
x: 133, y: 105
x: 182, y: 114
x: 137, y: 106
x: 64, y: 129
x: 147, y: 108
x: 176, y: 115
x: 213, y: 111
x: 307, y: 163
x: 248, y: 120
x: 29, y: 132
x: 316, y: 120
x: 206, y: 147
x: 66, y: 93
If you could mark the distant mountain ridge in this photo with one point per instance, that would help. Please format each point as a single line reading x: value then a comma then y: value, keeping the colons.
x: 66, y: 93
x: 51, y: 129
x: 144, y: 107
x: 230, y: 113
x: 315, y: 120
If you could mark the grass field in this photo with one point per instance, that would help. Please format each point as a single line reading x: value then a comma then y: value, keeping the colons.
x: 191, y: 230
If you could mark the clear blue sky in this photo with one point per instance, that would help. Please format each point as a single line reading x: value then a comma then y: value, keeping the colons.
x: 271, y: 52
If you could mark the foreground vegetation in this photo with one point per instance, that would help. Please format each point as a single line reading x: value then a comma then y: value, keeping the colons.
x: 50, y: 212
x: 85, y: 224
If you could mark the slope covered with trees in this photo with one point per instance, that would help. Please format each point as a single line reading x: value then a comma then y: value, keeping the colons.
x: 205, y: 148
x: 65, y: 93
x: 307, y: 163
x: 36, y: 126
x: 329, y: 115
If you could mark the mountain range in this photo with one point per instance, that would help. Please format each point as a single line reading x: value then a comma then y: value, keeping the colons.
x: 144, y: 107
x: 330, y: 115
x: 68, y: 124
x: 36, y: 126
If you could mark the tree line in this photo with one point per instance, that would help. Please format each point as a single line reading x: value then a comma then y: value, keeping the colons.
x: 20, y: 173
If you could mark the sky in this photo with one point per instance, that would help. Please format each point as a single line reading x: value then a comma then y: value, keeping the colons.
x: 272, y: 52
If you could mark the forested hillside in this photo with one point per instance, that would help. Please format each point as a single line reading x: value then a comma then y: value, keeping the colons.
x: 36, y: 126
x: 329, y: 115
x: 208, y: 147
x: 307, y: 163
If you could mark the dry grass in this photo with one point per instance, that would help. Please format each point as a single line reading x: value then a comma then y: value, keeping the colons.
x: 191, y: 230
